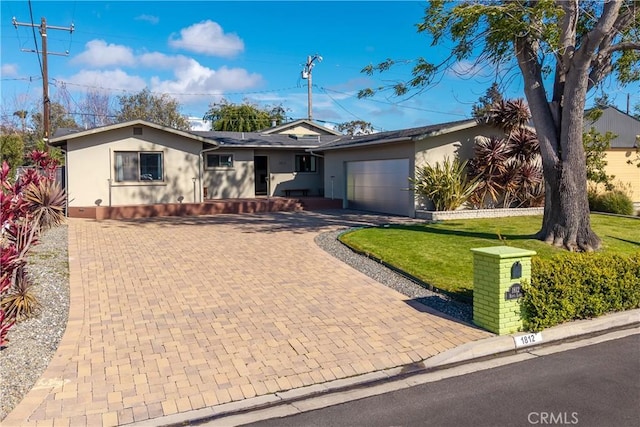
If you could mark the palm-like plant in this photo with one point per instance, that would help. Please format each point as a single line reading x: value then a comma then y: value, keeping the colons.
x: 488, y: 165
x: 508, y: 167
x: 509, y: 115
x: 46, y: 201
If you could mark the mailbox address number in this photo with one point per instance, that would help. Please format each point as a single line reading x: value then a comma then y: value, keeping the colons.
x: 529, y: 339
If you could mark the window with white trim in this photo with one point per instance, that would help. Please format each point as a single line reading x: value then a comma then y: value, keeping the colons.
x: 135, y: 166
x: 219, y: 160
x: 305, y: 163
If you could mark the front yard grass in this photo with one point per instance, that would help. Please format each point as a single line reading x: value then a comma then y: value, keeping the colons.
x: 440, y: 253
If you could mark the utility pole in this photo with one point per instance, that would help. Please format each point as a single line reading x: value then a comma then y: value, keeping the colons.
x: 46, y: 102
x: 306, y: 74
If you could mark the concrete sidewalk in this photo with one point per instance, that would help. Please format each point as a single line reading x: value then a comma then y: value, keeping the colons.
x: 172, y: 315
x: 179, y: 319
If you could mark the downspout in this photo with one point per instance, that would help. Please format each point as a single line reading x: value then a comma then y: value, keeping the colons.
x: 66, y: 181
x: 110, y: 180
x: 201, y: 168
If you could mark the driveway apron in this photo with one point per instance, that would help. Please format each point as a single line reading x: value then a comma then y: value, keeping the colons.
x: 176, y: 314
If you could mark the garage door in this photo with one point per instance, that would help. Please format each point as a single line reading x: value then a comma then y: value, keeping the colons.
x: 380, y: 186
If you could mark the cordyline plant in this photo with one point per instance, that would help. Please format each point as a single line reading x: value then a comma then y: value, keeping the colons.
x: 30, y: 204
x: 508, y: 169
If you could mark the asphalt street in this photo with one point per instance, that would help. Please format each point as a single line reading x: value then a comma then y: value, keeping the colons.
x: 596, y: 385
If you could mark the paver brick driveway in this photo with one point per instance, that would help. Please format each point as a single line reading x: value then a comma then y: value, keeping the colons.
x: 175, y: 314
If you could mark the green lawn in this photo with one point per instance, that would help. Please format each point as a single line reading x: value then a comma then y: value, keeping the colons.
x: 439, y: 254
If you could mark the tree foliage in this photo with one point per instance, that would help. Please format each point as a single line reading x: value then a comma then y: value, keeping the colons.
x: 355, y: 127
x: 245, y: 117
x: 484, y: 104
x: 563, y: 49
x: 159, y: 109
x: 595, y: 147
x: 12, y: 152
x: 59, y: 118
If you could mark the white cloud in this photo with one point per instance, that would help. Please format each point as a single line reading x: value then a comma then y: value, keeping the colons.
x: 109, y: 79
x: 98, y: 53
x: 9, y: 70
x: 163, y: 61
x: 197, y: 79
x: 208, y: 37
x: 149, y: 18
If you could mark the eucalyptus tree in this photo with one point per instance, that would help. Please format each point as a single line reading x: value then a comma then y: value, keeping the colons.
x: 563, y: 49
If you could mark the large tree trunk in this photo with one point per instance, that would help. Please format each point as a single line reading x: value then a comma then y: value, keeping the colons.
x: 566, y: 220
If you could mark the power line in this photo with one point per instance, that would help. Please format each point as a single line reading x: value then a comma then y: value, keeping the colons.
x: 43, y: 62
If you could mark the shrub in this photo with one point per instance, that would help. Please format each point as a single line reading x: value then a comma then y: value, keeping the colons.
x: 579, y: 286
x: 446, y: 184
x: 616, y: 202
x: 29, y: 204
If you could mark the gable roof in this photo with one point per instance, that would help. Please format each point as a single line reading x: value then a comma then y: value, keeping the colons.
x: 312, y: 126
x: 625, y: 126
x: 403, y: 135
x: 62, y: 136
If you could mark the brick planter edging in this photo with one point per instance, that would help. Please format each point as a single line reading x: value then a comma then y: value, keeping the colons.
x: 477, y: 213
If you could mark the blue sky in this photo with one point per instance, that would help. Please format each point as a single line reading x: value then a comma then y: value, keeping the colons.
x: 202, y: 51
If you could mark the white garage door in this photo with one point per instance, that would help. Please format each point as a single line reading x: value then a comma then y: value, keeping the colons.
x: 380, y: 186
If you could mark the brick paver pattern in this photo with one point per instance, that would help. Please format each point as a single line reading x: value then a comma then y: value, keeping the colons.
x: 173, y: 315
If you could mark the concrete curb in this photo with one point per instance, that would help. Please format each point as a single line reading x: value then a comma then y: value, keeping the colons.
x: 290, y: 402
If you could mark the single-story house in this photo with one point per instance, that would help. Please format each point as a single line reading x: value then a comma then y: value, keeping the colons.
x: 138, y: 163
x: 623, y: 147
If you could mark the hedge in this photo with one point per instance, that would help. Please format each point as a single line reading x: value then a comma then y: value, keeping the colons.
x: 579, y: 286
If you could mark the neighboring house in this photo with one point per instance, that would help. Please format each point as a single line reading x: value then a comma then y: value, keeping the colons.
x: 623, y: 147
x: 141, y: 163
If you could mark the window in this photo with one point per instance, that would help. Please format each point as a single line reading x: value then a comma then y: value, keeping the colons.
x: 305, y: 163
x: 219, y: 161
x: 138, y: 166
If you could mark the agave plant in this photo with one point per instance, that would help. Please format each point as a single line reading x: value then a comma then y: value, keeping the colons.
x: 445, y: 184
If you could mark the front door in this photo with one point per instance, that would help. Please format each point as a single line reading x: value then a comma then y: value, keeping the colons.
x: 261, y: 168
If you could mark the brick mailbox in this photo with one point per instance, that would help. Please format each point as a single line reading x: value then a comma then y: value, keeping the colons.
x: 497, y: 274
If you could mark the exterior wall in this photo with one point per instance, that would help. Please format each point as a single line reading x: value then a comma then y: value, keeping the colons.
x: 239, y: 181
x: 461, y: 143
x: 91, y: 168
x: 301, y: 130
x: 335, y: 163
x: 282, y: 175
x: 616, y: 159
x: 228, y: 183
x: 455, y: 144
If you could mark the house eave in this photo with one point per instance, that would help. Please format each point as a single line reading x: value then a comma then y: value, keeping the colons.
x: 63, y: 140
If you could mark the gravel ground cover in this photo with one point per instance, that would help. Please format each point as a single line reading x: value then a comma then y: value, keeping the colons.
x: 33, y: 342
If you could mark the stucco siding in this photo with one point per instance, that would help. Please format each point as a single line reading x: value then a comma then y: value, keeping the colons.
x: 628, y: 174
x: 91, y: 170
x: 283, y: 176
x: 460, y: 143
x: 235, y: 182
